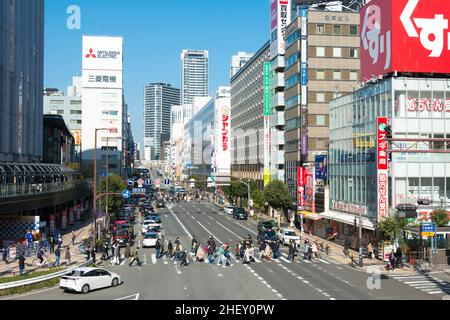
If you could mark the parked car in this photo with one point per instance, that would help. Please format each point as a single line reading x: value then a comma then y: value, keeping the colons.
x: 286, y: 235
x: 85, y: 280
x: 229, y: 209
x: 148, y: 224
x: 150, y: 239
x: 156, y: 229
x: 154, y: 217
x: 118, y: 223
x: 160, y: 203
x: 266, y: 225
x: 121, y: 236
x: 240, y: 213
x: 126, y: 226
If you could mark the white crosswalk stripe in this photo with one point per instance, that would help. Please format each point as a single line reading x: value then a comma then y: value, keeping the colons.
x: 154, y: 258
x: 430, y: 285
x: 285, y: 260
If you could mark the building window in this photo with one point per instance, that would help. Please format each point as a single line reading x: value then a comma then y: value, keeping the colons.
x: 320, y: 97
x: 353, y: 30
x: 354, y: 75
x: 320, y: 74
x: 293, y: 124
x: 336, y: 75
x: 337, y: 52
x: 60, y: 111
x: 320, y: 51
x: 292, y: 60
x: 320, y: 120
x: 320, y: 29
x: 337, y: 29
x: 292, y: 81
x: 75, y: 111
x: 292, y: 38
x: 353, y: 53
x: 292, y: 102
x: 57, y: 102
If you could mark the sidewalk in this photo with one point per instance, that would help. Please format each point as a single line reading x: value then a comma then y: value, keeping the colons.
x: 81, y: 230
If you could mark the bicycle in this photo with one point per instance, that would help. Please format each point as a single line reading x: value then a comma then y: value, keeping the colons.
x: 46, y: 263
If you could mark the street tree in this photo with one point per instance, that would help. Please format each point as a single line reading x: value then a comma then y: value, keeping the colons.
x: 392, y: 226
x: 276, y: 193
x: 115, y: 185
x: 440, y: 217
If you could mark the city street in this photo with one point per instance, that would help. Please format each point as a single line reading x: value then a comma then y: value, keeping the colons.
x: 160, y: 279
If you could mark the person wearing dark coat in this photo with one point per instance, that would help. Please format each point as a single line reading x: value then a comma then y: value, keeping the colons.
x: 170, y: 249
x: 398, y: 258
x: 291, y: 251
x: 21, y: 264
x: 392, y: 260
x: 51, y: 242
x: 158, y: 248
x: 184, y: 261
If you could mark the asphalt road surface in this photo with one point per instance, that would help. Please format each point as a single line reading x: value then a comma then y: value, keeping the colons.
x: 162, y: 279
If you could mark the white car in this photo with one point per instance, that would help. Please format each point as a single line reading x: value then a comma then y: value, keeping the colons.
x: 150, y: 239
x: 228, y: 209
x: 149, y: 224
x: 286, y: 235
x: 87, y: 279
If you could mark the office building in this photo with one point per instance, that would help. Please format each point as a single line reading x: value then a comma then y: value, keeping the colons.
x: 21, y: 80
x: 158, y: 101
x: 330, y: 42
x: 238, y: 61
x: 194, y: 75
x: 247, y: 121
x: 59, y: 144
x: 70, y: 108
x: 103, y: 102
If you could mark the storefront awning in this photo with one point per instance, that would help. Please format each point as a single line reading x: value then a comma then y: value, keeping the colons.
x: 347, y: 218
x: 310, y: 215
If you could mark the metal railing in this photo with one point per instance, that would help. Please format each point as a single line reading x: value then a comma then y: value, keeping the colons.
x: 26, y: 282
x: 14, y: 190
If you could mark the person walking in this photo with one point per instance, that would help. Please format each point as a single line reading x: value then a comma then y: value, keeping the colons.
x: 60, y: 240
x: 392, y: 260
x: 200, y: 256
x: 184, y: 259
x: 73, y: 238
x: 399, y: 258
x: 135, y: 257
x: 161, y: 254
x: 227, y: 258
x: 117, y: 252
x: 211, y: 249
x: 158, y: 248
x: 291, y: 251
x: 370, y: 250
x: 113, y: 248
x: 21, y: 264
x: 67, y: 255
x: 128, y: 251
x: 5, y: 255
x: 51, y: 242
x: 93, y: 254
x: 29, y: 238
x: 237, y: 251
x: 262, y: 249
x: 57, y: 256
x: 194, y: 244
x: 170, y: 249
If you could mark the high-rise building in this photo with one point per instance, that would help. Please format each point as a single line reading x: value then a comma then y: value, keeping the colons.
x: 21, y: 80
x: 103, y: 102
x: 238, y: 61
x: 247, y: 121
x: 331, y: 50
x: 194, y: 75
x: 158, y: 101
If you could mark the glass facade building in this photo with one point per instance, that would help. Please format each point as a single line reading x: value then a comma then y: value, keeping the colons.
x: 415, y: 108
x: 21, y: 80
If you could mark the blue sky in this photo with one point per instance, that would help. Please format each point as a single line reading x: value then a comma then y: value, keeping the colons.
x: 154, y: 34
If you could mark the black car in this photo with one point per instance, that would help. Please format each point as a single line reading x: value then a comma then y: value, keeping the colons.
x: 160, y: 204
x: 267, y: 235
x: 264, y: 225
x: 240, y: 214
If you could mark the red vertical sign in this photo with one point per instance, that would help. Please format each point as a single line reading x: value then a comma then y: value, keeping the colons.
x: 301, y: 172
x: 382, y: 168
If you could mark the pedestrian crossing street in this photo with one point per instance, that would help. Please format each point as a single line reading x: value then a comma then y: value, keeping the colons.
x: 428, y: 284
x: 149, y: 259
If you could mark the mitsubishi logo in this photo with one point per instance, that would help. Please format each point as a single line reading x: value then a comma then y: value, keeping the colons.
x: 432, y: 33
x: 91, y: 54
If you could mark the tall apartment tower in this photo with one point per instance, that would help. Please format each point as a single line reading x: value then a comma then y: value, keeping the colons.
x: 158, y: 101
x: 21, y: 80
x: 194, y: 75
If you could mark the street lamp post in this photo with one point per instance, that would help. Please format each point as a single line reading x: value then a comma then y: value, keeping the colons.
x: 94, y: 216
x: 248, y: 192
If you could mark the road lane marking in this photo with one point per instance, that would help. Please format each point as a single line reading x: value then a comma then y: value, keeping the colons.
x: 245, y: 227
x: 134, y: 296
x: 324, y: 261
x: 182, y: 225
x: 239, y: 237
x: 154, y: 258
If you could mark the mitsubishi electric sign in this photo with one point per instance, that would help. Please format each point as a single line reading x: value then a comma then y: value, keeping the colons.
x: 405, y: 36
x: 102, y: 62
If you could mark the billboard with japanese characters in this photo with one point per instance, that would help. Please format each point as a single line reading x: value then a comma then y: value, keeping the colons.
x: 280, y: 17
x: 405, y: 36
x: 382, y: 169
x: 102, y: 62
x: 222, y: 145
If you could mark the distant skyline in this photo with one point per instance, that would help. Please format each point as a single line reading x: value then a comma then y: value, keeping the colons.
x: 155, y: 33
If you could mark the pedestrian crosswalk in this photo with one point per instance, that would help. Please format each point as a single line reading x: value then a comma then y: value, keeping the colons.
x: 425, y: 283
